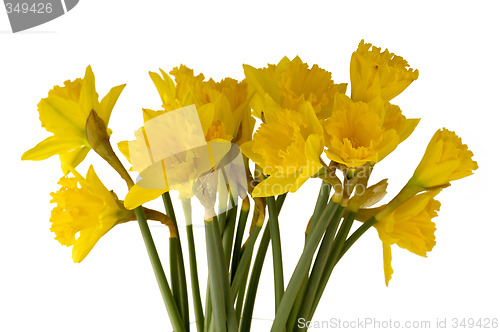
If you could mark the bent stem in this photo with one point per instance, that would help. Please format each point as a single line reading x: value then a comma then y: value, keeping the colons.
x: 166, y: 294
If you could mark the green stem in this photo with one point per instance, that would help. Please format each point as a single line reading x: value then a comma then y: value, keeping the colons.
x: 241, y: 294
x: 245, y: 261
x: 184, y: 305
x: 301, y: 268
x: 333, y: 257
x: 246, y: 319
x: 320, y: 262
x: 215, y: 278
x: 167, y: 296
x: 331, y: 263
x: 323, y: 195
x: 279, y: 285
x: 228, y: 235
x: 222, y: 210
x: 193, y: 267
x: 290, y: 324
x: 242, y: 222
x: 208, y: 310
x: 280, y: 201
x: 357, y: 234
x: 322, y: 200
x: 232, y: 323
x: 174, y: 271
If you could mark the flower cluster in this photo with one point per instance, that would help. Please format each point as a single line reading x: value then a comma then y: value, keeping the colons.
x: 203, y: 143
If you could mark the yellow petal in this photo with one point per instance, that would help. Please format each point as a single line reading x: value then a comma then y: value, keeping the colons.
x: 87, y: 240
x: 165, y: 86
x: 248, y: 150
x: 387, y: 262
x: 109, y: 101
x: 124, y: 148
x: 138, y: 196
x: 313, y: 150
x: 148, y: 114
x: 206, y: 113
x: 388, y: 144
x: 262, y: 82
x: 224, y: 114
x: 94, y: 184
x: 50, y: 147
x: 276, y: 185
x: 62, y: 117
x: 73, y: 158
x: 88, y: 97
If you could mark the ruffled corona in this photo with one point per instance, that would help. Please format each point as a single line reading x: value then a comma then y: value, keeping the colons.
x: 378, y: 74
x: 287, y: 148
x: 64, y: 113
x: 410, y: 226
x: 358, y: 133
x: 87, y: 208
x: 223, y: 112
x: 446, y: 159
x: 222, y: 106
x: 290, y: 84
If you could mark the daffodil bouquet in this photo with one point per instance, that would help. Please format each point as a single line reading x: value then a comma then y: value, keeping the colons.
x: 203, y: 144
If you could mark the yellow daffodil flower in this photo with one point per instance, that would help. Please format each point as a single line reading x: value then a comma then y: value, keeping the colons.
x: 223, y: 107
x: 223, y: 111
x: 409, y: 226
x: 378, y: 74
x: 290, y: 84
x: 86, y: 207
x: 445, y: 159
x: 64, y: 113
x: 359, y: 132
x: 287, y: 148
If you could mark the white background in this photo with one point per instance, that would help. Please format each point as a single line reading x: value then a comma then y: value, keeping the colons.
x: 453, y: 44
